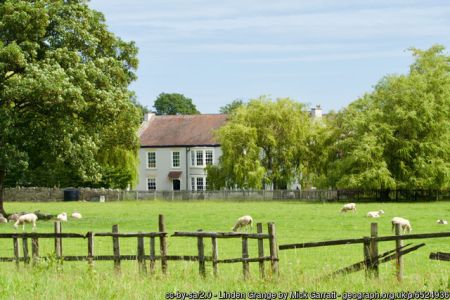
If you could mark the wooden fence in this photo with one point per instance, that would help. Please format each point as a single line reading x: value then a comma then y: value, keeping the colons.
x: 370, y: 249
x: 141, y: 257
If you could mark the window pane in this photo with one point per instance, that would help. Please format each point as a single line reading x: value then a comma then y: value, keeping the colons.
x: 199, y: 183
x: 209, y: 157
x: 192, y: 158
x: 175, y: 159
x: 192, y: 183
x: 151, y: 159
x: 199, y: 158
x: 151, y: 184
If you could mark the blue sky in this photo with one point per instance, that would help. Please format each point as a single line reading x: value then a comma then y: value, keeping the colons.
x: 316, y: 52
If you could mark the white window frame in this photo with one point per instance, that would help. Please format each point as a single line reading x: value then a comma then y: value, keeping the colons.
x: 148, y: 162
x: 194, y: 160
x: 194, y: 186
x: 179, y: 159
x: 148, y: 183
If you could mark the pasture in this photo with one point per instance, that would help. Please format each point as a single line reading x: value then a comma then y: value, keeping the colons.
x: 295, y: 222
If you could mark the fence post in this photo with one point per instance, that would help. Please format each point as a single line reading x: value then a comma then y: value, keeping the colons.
x: 215, y: 255
x: 260, y: 250
x: 152, y: 254
x: 116, y: 248
x: 90, y: 256
x: 374, y: 249
x: 35, y: 249
x: 163, y: 244
x: 16, y: 251
x: 26, y: 257
x: 366, y: 252
x: 58, y: 240
x: 273, y: 248
x: 201, y: 256
x: 245, y: 264
x: 141, y: 254
x: 399, y: 258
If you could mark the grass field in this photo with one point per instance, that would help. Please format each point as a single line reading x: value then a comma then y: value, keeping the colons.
x: 295, y: 222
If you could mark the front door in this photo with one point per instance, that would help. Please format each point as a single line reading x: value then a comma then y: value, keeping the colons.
x: 176, y: 184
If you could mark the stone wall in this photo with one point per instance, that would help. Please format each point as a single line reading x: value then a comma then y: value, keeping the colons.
x: 39, y: 194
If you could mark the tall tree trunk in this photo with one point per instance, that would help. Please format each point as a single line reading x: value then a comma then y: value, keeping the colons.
x: 2, y: 189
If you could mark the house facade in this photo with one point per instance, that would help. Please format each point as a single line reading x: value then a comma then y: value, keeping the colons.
x: 176, y: 149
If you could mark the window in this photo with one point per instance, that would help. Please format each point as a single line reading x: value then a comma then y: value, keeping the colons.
x: 151, y: 184
x: 151, y: 160
x: 199, y: 158
x: 209, y: 157
x: 175, y: 159
x: 199, y: 183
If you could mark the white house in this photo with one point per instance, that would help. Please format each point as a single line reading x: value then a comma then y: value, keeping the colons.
x: 176, y: 149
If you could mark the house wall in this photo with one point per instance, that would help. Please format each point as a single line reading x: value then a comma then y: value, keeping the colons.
x: 164, y: 166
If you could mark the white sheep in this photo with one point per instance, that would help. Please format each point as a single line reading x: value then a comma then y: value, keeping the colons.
x: 62, y: 217
x: 375, y: 214
x: 349, y: 206
x: 404, y: 224
x: 243, y: 222
x: 27, y: 218
x: 76, y: 215
x: 3, y: 219
x: 442, y: 222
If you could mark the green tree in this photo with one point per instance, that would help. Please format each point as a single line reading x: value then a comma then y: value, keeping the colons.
x: 264, y: 142
x: 174, y: 104
x: 65, y: 107
x: 398, y: 136
x: 230, y: 107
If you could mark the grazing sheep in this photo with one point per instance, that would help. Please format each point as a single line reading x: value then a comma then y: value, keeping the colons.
x: 76, y: 215
x: 62, y: 217
x: 349, y: 206
x: 404, y: 224
x: 27, y: 218
x: 442, y: 222
x: 243, y: 222
x: 375, y: 214
x: 3, y: 219
x: 13, y: 217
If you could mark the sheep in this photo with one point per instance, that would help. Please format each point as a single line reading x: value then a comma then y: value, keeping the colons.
x: 349, y: 206
x: 375, y: 214
x: 3, y: 219
x: 442, y: 222
x: 404, y: 224
x: 76, y: 215
x: 27, y: 218
x: 62, y: 217
x: 243, y: 222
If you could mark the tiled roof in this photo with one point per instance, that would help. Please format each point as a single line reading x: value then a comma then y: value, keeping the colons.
x: 187, y: 130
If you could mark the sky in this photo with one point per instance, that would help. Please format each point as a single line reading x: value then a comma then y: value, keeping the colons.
x: 321, y: 52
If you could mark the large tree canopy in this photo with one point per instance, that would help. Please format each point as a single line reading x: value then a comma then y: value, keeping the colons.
x: 65, y: 110
x: 398, y: 136
x: 265, y: 141
x: 174, y: 104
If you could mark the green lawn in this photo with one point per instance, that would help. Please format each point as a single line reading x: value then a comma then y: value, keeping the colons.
x: 295, y: 222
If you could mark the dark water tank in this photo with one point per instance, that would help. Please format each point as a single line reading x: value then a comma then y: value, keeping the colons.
x: 71, y: 194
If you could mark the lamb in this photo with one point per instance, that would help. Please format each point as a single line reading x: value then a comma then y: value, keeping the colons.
x: 349, y: 206
x: 404, y: 224
x: 27, y: 218
x: 62, y: 217
x: 3, y: 219
x: 76, y: 215
x: 442, y: 222
x: 375, y: 214
x: 243, y: 222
